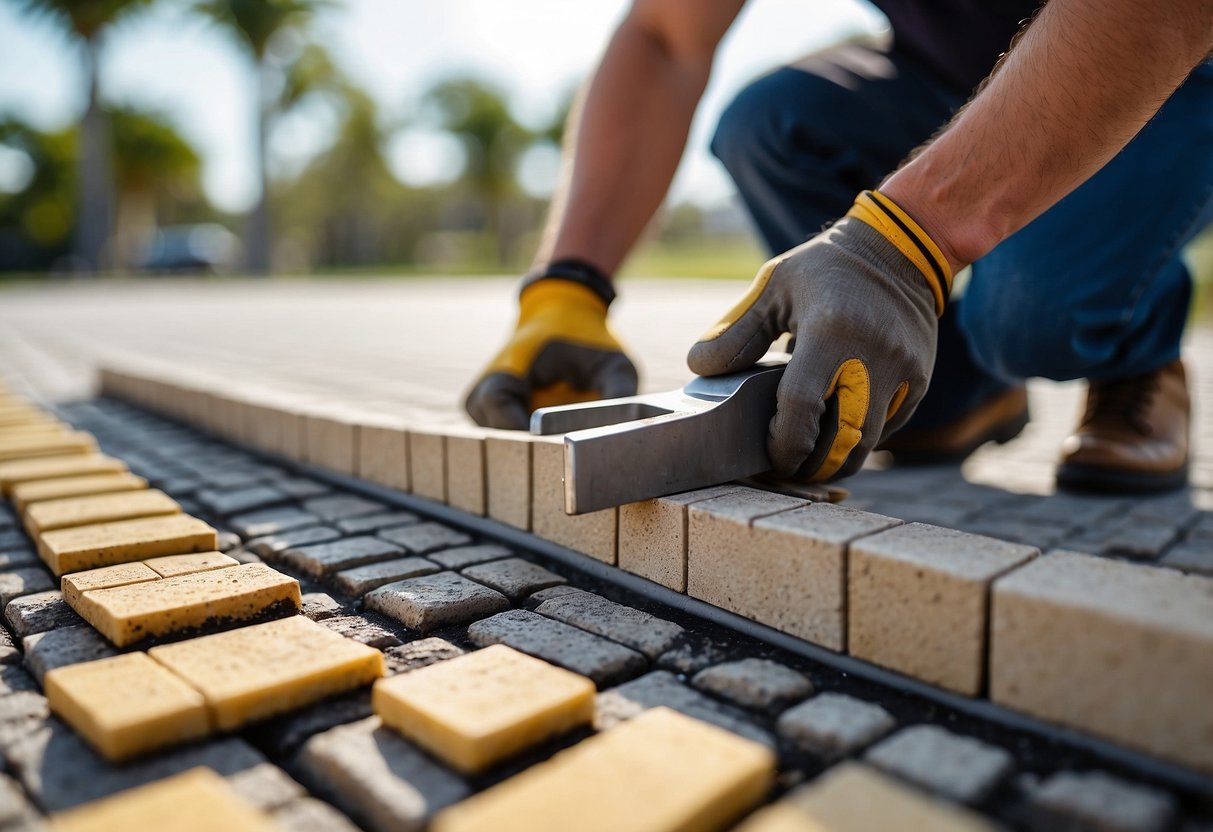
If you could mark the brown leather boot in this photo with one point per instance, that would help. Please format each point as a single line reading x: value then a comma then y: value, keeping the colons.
x: 1133, y: 436
x: 998, y: 419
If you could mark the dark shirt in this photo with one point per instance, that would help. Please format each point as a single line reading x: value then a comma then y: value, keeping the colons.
x: 958, y: 40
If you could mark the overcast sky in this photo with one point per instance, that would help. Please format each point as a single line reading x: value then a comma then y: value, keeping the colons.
x: 174, y: 61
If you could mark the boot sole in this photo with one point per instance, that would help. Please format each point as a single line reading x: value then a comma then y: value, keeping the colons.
x: 1091, y: 478
x: 999, y: 434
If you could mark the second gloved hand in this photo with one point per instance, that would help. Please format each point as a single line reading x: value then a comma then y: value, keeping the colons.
x: 862, y: 300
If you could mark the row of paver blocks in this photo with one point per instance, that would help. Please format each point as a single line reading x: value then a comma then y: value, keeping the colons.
x: 343, y: 762
x: 1067, y: 637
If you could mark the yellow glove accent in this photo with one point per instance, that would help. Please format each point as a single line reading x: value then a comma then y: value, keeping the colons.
x: 853, y: 387
x: 554, y: 310
x: 877, y: 210
x: 757, y: 286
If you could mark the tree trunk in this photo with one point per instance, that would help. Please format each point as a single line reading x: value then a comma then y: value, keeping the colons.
x: 257, y: 240
x: 95, y: 186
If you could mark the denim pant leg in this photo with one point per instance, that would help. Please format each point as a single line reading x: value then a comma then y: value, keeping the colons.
x: 1095, y: 287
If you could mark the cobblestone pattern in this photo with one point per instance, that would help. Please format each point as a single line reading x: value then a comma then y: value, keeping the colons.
x: 641, y: 655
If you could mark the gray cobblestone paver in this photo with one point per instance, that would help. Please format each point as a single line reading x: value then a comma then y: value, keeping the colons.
x: 36, y: 613
x: 272, y: 521
x: 341, y: 507
x: 955, y: 766
x: 283, y: 736
x: 311, y: 815
x: 1101, y: 803
x: 266, y: 786
x: 418, y: 654
x: 362, y: 579
x: 375, y: 522
x: 17, y: 582
x: 225, y: 502
x: 17, y: 557
x: 1195, y: 555
x: 301, y: 488
x: 424, y: 538
x: 63, y: 646
x: 514, y: 578
x: 637, y: 629
x: 1139, y: 540
x: 434, y: 601
x: 270, y: 546
x: 598, y: 658
x: 833, y: 725
x: 12, y: 539
x: 319, y: 606
x: 364, y: 629
x: 324, y: 559
x: 760, y: 684
x: 464, y: 556
x: 377, y: 777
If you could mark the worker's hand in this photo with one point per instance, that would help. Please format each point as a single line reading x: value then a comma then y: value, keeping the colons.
x: 862, y: 300
x: 561, y: 352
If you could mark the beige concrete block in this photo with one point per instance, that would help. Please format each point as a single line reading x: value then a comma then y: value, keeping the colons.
x: 32, y: 447
x: 383, y: 452
x: 332, y: 439
x: 133, y: 612
x: 593, y: 534
x: 35, y: 492
x: 87, y: 547
x: 1121, y: 650
x: 69, y: 512
x: 786, y: 570
x: 658, y: 772
x: 27, y: 430
x: 198, y: 800
x: 427, y: 463
x: 653, y: 536
x: 508, y: 480
x: 466, y: 474
x: 76, y: 584
x: 918, y: 599
x: 266, y: 669
x: 23, y: 414
x: 169, y: 566
x: 852, y: 797
x: 126, y: 705
x: 16, y: 473
x: 479, y: 709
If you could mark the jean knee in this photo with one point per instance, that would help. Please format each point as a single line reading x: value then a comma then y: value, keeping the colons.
x: 750, y: 132
x: 1015, y: 338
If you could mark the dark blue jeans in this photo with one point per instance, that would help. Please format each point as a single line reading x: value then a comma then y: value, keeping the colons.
x: 1094, y: 288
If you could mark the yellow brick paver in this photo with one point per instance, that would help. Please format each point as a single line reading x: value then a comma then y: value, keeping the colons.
x: 169, y: 566
x: 477, y: 710
x: 70, y: 512
x: 658, y: 772
x: 855, y: 798
x: 126, y: 705
x: 87, y: 547
x: 128, y: 614
x: 49, y: 468
x: 198, y: 800
x: 76, y: 584
x: 271, y: 668
x: 35, y: 492
x: 23, y: 430
x: 29, y: 447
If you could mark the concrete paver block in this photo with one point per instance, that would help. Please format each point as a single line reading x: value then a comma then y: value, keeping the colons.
x: 32, y: 447
x: 272, y: 521
x: 427, y: 465
x: 228, y: 501
x: 592, y: 534
x: 98, y: 508
x: 514, y: 578
x: 127, y: 705
x: 266, y: 669
x: 852, y: 797
x: 326, y: 558
x: 374, y: 522
x: 833, y: 725
x: 918, y: 600
x: 955, y: 766
x: 87, y: 547
x: 598, y: 658
x: 196, y: 801
x: 463, y: 556
x: 333, y: 507
x: 369, y: 628
x: 63, y: 646
x: 15, y: 582
x: 310, y: 815
x: 331, y: 441
x: 377, y: 777
x: 168, y: 606
x: 383, y: 454
x: 418, y: 654
x: 266, y: 786
x: 424, y: 538
x: 635, y: 628
x: 360, y: 580
x: 37, y: 491
x: 170, y: 566
x: 1094, y: 800
x: 508, y: 480
x: 51, y: 468
x: 39, y: 612
x: 692, y: 776
x: 653, y: 536
x: 76, y: 584
x: 481, y: 708
x: 271, y: 546
x: 466, y: 474
x: 433, y: 601
x: 760, y: 684
x: 1078, y: 639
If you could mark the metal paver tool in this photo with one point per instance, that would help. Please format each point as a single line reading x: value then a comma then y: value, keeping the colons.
x: 712, y: 431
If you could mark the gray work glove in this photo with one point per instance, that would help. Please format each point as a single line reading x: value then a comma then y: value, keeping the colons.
x: 862, y: 300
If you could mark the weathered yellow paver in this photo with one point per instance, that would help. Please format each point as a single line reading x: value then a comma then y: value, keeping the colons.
x: 169, y: 566
x: 126, y: 705
x: 76, y: 584
x: 23, y: 430
x: 22, y: 414
x: 87, y: 547
x: 479, y: 709
x: 198, y: 800
x: 29, y: 447
x: 852, y: 797
x: 29, y: 493
x: 266, y: 669
x: 56, y: 467
x: 658, y: 772
x: 70, y: 512
x: 133, y: 612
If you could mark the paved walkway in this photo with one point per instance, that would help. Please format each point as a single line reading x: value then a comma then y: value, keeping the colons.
x: 404, y: 346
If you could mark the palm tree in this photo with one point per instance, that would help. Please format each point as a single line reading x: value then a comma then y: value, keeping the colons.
x: 255, y: 22
x: 87, y: 20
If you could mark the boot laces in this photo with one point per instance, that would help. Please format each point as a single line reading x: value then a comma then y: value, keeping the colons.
x: 1122, y: 402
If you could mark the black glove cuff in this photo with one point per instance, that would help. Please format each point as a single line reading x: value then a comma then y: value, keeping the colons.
x: 573, y: 270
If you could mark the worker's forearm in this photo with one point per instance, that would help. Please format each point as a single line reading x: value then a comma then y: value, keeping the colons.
x: 630, y: 131
x: 1073, y: 92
